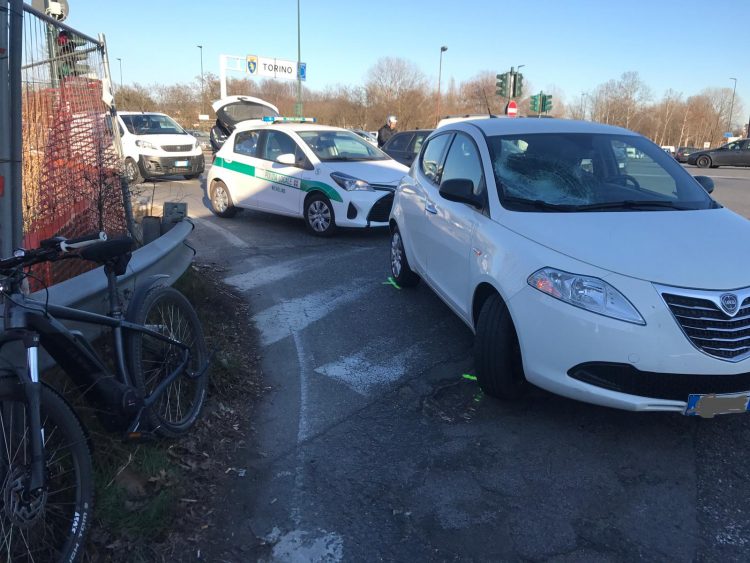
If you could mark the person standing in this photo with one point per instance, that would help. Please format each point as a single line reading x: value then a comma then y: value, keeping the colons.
x: 387, y: 130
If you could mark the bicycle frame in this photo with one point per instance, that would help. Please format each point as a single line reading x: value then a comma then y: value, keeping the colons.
x: 73, y: 352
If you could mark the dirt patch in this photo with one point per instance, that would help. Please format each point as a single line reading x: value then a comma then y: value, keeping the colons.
x: 158, y: 501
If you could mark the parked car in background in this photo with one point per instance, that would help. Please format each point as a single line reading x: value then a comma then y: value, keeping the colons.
x: 582, y: 280
x: 328, y: 176
x: 367, y: 136
x: 235, y: 109
x: 203, y: 138
x: 154, y: 145
x: 669, y: 149
x: 404, y: 146
x: 682, y: 153
x: 736, y: 153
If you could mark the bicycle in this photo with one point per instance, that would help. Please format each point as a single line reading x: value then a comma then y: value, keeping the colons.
x: 157, y: 387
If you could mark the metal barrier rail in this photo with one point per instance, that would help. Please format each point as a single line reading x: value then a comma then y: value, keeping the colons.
x: 168, y: 256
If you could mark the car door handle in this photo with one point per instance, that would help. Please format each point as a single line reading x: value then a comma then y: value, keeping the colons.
x: 430, y: 207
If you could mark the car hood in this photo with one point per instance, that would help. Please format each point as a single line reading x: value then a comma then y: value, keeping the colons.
x: 387, y: 172
x: 705, y: 249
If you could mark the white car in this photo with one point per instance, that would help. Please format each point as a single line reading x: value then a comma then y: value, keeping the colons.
x: 154, y: 145
x: 327, y: 175
x: 625, y: 290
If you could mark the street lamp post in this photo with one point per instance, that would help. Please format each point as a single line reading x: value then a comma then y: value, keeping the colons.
x: 299, y: 62
x: 203, y: 95
x: 443, y: 49
x: 731, y: 106
x: 119, y: 60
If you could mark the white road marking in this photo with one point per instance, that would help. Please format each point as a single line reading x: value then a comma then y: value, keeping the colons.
x: 275, y: 323
x: 233, y: 239
x: 256, y: 277
x: 300, y: 545
x: 373, y: 366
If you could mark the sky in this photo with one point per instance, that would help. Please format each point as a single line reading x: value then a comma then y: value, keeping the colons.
x: 572, y: 45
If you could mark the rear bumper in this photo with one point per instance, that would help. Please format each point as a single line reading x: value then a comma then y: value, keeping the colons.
x: 155, y: 166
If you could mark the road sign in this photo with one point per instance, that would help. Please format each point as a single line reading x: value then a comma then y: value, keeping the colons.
x: 511, y: 109
x: 728, y: 134
x: 274, y: 68
x: 706, y: 145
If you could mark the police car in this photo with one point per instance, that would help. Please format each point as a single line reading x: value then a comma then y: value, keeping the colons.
x: 291, y: 166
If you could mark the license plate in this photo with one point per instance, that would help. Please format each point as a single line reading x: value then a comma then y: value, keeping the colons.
x: 182, y: 163
x: 708, y: 406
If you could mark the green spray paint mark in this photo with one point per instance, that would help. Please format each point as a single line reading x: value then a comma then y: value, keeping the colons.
x: 469, y: 377
x: 392, y: 282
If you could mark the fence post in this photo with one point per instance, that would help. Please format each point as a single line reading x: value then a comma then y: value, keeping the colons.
x: 15, y: 45
x: 6, y: 222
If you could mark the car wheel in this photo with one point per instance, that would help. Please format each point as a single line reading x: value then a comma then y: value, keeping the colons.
x: 703, y: 161
x: 400, y: 269
x: 132, y: 173
x: 497, y: 355
x: 221, y: 201
x: 319, y: 217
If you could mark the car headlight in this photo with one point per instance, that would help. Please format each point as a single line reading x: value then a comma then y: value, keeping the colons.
x: 588, y: 293
x: 350, y: 183
x: 146, y: 145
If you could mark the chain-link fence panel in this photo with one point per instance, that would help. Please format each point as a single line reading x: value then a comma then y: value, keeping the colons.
x: 71, y: 170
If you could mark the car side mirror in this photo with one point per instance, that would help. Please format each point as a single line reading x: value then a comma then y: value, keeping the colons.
x: 460, y: 190
x: 287, y: 158
x: 706, y: 182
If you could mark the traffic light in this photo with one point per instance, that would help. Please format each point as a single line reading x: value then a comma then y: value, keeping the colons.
x: 502, y: 85
x: 534, y: 104
x: 546, y: 103
x: 517, y: 85
x: 71, y: 61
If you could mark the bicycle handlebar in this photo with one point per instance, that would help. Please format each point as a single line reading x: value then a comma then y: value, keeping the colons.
x: 48, y: 250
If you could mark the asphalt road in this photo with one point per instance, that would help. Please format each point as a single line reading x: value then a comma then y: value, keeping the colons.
x: 373, y: 446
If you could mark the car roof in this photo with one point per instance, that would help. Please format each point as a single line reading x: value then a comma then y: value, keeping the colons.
x: 257, y: 123
x: 532, y: 125
x: 141, y: 113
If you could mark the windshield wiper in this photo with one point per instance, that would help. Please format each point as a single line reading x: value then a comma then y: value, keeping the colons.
x: 350, y: 158
x: 538, y: 204
x: 637, y: 205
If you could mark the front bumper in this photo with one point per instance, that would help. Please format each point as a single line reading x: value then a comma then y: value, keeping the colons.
x: 588, y: 357
x: 154, y: 166
x: 364, y: 209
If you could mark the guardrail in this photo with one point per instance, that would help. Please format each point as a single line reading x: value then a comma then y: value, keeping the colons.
x: 168, y: 256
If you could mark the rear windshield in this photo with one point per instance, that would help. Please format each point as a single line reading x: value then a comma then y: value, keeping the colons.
x: 151, y: 124
x: 243, y: 111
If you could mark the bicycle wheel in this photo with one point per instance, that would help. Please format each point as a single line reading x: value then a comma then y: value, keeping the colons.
x: 50, y: 525
x: 167, y: 311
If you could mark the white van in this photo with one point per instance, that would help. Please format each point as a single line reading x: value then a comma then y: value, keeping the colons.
x: 154, y: 145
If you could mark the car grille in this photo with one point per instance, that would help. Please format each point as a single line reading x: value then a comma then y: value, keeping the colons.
x: 625, y: 378
x: 709, y: 328
x: 176, y: 148
x: 381, y: 210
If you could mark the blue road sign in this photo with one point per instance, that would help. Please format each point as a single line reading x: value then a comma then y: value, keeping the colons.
x: 302, y: 71
x: 727, y: 135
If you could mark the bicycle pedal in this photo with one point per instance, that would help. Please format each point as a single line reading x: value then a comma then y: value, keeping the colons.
x: 139, y: 437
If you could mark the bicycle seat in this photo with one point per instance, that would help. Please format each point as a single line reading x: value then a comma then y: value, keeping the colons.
x: 115, y: 252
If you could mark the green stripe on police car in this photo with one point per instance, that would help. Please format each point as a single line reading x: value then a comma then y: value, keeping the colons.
x: 276, y: 178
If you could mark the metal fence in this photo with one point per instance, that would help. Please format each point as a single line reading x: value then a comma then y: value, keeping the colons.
x: 71, y: 170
